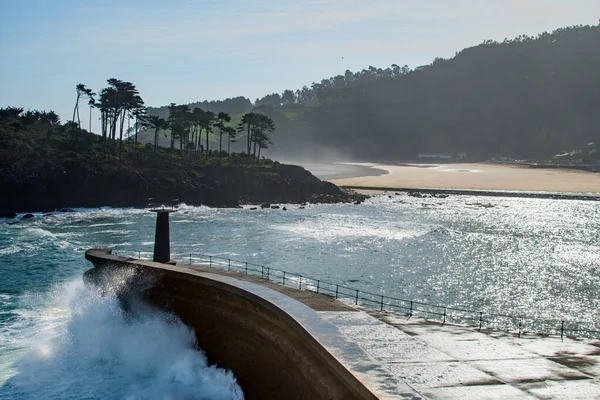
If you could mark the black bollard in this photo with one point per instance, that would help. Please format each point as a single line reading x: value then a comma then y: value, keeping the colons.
x: 162, y: 245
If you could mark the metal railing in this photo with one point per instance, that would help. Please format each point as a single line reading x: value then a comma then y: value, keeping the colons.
x: 518, y: 324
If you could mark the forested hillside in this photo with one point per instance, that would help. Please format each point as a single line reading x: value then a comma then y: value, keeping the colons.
x: 528, y: 97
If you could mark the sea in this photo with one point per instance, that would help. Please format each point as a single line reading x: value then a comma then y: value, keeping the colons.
x: 61, y: 339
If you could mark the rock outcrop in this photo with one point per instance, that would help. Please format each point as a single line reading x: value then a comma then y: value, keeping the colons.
x: 48, y: 185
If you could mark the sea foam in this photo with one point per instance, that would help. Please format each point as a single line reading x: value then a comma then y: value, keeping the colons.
x: 91, y: 348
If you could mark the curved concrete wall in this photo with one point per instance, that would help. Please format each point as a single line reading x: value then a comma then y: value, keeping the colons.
x: 249, y: 329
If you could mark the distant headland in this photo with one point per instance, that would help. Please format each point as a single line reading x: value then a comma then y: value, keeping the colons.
x: 46, y: 165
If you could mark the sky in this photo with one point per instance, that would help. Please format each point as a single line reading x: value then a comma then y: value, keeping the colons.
x: 184, y: 51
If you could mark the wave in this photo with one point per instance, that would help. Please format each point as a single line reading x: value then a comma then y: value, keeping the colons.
x: 86, y: 346
x: 330, y: 227
x: 38, y: 232
x: 10, y: 250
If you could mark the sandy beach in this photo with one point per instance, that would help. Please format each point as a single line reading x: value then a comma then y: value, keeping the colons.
x: 480, y: 176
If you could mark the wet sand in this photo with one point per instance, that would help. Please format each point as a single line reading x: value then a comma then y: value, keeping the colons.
x: 479, y: 176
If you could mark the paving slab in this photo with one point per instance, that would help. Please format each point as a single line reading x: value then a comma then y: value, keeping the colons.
x: 589, y: 365
x: 553, y: 346
x: 480, y: 348
x: 441, y: 374
x: 488, y: 392
x: 577, y: 389
x: 527, y: 370
x: 384, y: 342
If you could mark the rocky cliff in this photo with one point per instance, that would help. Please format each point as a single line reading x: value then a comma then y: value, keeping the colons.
x: 47, y: 185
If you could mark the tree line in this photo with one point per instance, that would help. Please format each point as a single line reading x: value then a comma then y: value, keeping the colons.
x: 39, y: 136
x: 120, y: 104
x: 188, y: 126
x: 328, y: 89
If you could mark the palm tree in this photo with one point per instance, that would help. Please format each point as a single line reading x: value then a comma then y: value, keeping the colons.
x: 207, y: 124
x: 81, y: 89
x: 196, y: 120
x: 230, y: 132
x: 118, y: 101
x: 260, y: 129
x: 156, y: 123
x: 179, y: 119
x: 222, y: 117
x: 249, y: 120
x: 92, y: 104
x: 263, y: 142
x: 140, y: 119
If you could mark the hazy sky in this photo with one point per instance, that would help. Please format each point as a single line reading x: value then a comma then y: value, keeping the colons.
x: 188, y: 50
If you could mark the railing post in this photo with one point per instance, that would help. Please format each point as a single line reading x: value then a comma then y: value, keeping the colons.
x: 356, y: 294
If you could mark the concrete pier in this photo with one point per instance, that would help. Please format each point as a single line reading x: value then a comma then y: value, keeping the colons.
x: 289, y: 339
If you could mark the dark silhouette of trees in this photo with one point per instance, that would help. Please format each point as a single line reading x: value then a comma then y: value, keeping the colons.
x: 156, y: 123
x: 257, y: 127
x: 249, y: 120
x: 528, y: 97
x: 91, y: 104
x: 178, y: 122
x: 230, y: 132
x: 221, y: 119
x: 81, y: 90
x: 207, y: 123
x: 118, y: 101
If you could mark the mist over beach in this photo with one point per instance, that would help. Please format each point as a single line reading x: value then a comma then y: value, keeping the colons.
x: 474, y: 176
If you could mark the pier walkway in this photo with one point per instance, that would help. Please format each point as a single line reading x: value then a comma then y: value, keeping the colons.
x: 451, y: 361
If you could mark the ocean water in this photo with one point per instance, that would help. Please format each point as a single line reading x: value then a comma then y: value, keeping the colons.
x: 61, y: 339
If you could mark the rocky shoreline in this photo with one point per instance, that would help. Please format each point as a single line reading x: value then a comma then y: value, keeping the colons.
x: 46, y: 186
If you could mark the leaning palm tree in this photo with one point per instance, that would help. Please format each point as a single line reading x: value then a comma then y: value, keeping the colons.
x: 92, y: 104
x: 81, y: 89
